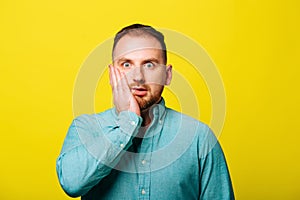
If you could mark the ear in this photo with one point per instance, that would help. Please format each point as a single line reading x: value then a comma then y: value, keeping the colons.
x: 169, y: 74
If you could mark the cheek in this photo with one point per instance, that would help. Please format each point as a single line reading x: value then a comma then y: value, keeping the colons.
x: 156, y: 78
x: 126, y: 71
x: 156, y: 90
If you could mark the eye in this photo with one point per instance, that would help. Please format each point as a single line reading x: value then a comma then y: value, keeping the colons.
x: 126, y: 65
x: 149, y: 65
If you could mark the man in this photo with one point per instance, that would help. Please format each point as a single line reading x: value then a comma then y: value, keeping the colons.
x: 141, y: 149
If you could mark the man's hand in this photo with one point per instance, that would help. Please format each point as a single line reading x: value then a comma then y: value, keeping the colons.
x: 123, y: 99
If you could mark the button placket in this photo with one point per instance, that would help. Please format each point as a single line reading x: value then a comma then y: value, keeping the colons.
x: 144, y: 175
x: 143, y: 192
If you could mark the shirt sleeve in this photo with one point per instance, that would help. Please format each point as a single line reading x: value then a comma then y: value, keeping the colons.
x: 215, y: 182
x: 92, y: 147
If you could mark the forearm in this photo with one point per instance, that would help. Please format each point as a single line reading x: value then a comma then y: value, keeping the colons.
x: 91, y: 150
x: 77, y: 171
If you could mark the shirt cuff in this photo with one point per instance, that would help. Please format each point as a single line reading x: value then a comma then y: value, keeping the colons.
x: 129, y: 122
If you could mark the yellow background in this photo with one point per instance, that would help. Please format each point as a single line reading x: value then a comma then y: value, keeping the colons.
x: 255, y: 45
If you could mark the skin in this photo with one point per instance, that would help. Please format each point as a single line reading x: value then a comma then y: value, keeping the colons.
x: 138, y: 75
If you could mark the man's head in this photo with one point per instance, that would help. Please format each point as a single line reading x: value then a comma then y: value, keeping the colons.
x: 140, y: 30
x: 140, y: 52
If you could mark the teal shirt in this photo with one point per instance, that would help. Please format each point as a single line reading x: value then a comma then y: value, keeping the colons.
x: 111, y: 156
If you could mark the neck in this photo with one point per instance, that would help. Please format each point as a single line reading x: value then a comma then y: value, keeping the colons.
x: 145, y: 114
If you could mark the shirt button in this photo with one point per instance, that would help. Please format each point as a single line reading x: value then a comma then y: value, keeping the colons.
x: 122, y: 145
x: 132, y: 123
x: 143, y: 162
x: 160, y: 122
x: 143, y: 191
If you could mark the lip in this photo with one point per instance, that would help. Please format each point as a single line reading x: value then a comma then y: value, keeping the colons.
x: 139, y: 91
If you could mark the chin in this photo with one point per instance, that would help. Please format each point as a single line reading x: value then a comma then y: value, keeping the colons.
x: 146, y: 103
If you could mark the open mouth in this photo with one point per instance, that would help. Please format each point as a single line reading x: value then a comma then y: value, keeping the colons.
x: 139, y: 91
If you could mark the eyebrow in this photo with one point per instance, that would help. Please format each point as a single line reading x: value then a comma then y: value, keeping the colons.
x: 124, y: 59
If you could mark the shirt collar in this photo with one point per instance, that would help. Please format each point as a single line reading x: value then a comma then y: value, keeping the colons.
x: 158, y: 112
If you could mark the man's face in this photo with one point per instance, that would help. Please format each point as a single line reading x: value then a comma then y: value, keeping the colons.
x: 141, y: 59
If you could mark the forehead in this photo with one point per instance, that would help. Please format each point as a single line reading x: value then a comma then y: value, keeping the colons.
x: 137, y: 45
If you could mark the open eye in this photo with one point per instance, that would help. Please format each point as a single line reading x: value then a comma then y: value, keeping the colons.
x: 126, y: 65
x: 149, y: 65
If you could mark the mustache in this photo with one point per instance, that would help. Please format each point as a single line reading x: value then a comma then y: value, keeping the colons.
x: 137, y: 85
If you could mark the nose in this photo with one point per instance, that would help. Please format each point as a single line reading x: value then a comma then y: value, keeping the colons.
x: 138, y: 75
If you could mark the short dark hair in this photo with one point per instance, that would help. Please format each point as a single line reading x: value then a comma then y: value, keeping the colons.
x: 141, y: 29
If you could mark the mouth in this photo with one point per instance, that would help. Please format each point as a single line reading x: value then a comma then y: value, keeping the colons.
x: 139, y: 91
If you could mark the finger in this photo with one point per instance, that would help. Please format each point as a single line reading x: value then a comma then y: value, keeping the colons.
x: 118, y: 75
x: 110, y: 74
x: 123, y: 80
x: 113, y: 76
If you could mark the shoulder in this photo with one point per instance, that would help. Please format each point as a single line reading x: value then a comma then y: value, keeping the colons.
x: 201, y: 132
x: 93, y: 120
x: 185, y: 121
x: 88, y: 126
